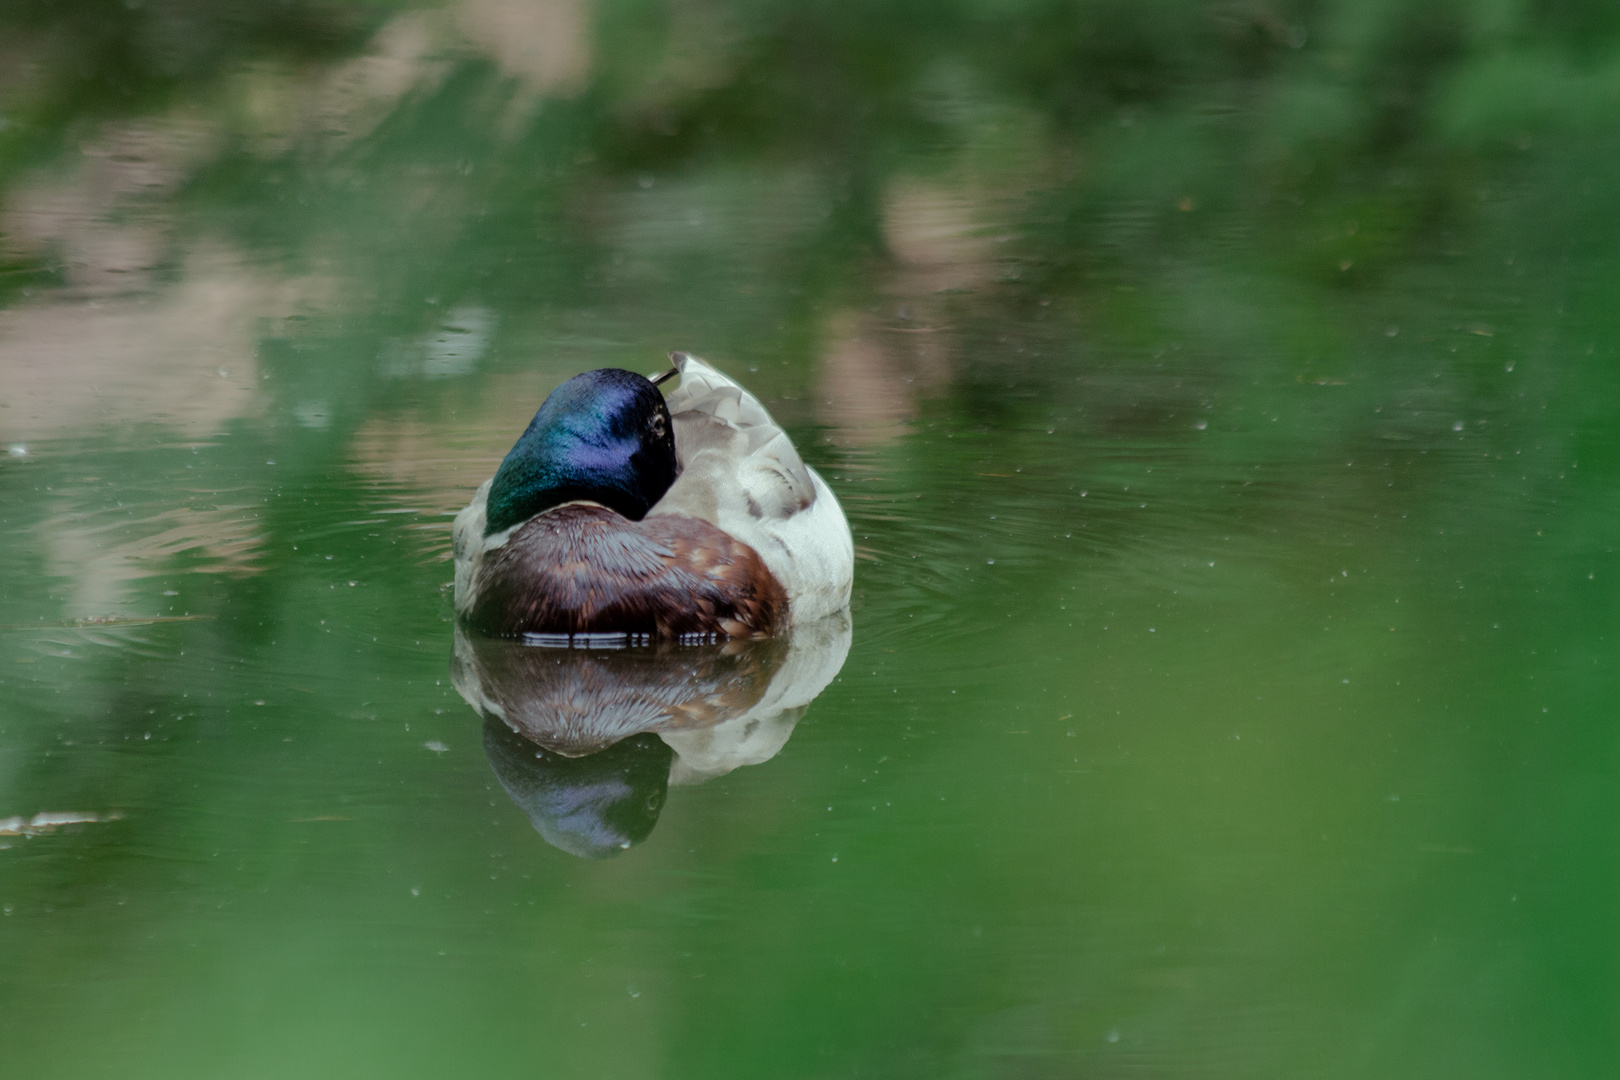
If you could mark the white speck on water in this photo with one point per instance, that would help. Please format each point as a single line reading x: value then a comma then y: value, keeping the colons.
x: 1113, y: 1036
x: 416, y: 890
x: 1153, y: 630
x: 989, y: 562
x: 1458, y: 426
x: 835, y: 858
x: 17, y: 449
x: 436, y: 746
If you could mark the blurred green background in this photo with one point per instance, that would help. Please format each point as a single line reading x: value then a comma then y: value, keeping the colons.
x: 1223, y: 397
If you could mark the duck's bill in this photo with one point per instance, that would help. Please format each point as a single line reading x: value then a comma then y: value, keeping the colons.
x: 673, y: 370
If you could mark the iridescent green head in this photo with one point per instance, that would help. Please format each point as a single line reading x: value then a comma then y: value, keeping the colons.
x: 604, y: 436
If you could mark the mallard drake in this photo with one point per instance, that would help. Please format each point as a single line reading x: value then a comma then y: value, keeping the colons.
x: 620, y: 515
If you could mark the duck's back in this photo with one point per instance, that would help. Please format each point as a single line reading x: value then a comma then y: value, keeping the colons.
x: 740, y: 472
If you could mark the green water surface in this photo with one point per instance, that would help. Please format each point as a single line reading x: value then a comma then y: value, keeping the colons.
x: 1225, y: 402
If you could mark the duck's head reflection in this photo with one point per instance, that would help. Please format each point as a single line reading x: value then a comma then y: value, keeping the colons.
x: 587, y: 740
x: 592, y: 806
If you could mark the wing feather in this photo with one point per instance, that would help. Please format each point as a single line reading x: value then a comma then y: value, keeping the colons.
x: 740, y: 472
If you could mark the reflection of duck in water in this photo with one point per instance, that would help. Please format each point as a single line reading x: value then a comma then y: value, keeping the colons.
x: 617, y: 512
x: 592, y: 806
x: 587, y: 740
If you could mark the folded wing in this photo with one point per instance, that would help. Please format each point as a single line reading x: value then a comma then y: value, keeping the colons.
x: 740, y: 472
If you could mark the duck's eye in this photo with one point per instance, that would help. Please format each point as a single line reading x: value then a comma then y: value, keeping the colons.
x: 658, y: 425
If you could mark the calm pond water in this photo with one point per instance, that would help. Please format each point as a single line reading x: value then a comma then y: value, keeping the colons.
x: 1224, y: 404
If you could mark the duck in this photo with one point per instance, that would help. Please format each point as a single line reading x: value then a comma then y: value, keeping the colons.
x: 622, y: 516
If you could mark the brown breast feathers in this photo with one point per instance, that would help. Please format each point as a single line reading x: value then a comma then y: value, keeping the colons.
x: 586, y: 569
